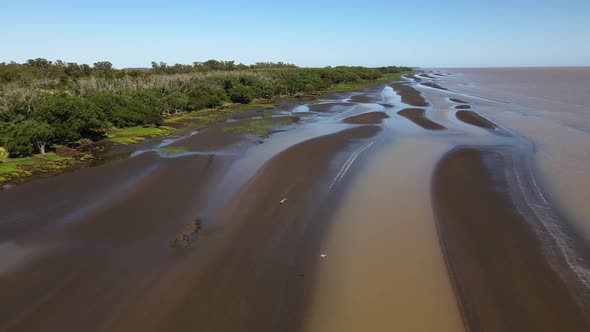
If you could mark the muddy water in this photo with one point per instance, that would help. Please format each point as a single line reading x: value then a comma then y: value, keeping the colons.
x: 383, y: 268
x: 549, y: 107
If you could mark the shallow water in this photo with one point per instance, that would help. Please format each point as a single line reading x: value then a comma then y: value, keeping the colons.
x: 383, y: 268
x: 550, y: 107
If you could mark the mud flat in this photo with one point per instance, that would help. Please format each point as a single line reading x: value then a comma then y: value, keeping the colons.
x: 418, y: 116
x: 475, y: 119
x: 367, y: 118
x: 433, y: 85
x: 108, y: 264
x: 455, y: 100
x: 409, y: 95
x: 463, y: 107
x: 495, y: 258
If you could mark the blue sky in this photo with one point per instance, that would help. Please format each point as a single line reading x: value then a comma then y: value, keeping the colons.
x: 427, y: 33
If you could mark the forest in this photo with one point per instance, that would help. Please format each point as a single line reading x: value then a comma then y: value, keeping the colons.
x: 48, y: 103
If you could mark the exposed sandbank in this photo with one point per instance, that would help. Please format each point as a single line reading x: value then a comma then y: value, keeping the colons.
x: 433, y: 85
x: 367, y: 118
x: 475, y: 119
x: 409, y: 95
x: 418, y: 116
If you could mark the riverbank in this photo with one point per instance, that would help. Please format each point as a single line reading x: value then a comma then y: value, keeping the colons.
x: 119, y: 143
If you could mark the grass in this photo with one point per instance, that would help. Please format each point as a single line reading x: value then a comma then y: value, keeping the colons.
x: 259, y: 127
x: 248, y: 107
x: 180, y: 243
x: 137, y: 134
x: 197, y: 120
x: 20, y: 168
x: 204, y: 116
x: 173, y: 150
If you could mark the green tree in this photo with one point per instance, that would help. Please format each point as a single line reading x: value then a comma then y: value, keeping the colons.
x: 70, y: 117
x: 29, y: 136
x: 103, y: 65
x: 176, y: 102
x: 241, y: 94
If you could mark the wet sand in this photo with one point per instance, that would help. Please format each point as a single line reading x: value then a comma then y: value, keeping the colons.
x: 247, y: 266
x: 455, y: 100
x: 414, y: 77
x: 418, y: 116
x: 475, y: 119
x: 367, y: 118
x: 434, y: 85
x: 409, y: 95
x: 501, y: 276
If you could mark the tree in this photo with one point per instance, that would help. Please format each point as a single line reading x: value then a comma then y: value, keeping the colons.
x: 29, y: 136
x: 241, y: 94
x: 39, y: 63
x: 70, y: 117
x: 103, y: 65
x: 176, y: 102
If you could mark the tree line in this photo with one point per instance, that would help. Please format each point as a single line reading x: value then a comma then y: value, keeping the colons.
x: 45, y: 103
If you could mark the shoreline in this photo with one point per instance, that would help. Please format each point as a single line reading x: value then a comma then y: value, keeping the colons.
x: 502, y: 279
x: 119, y: 237
x: 99, y: 152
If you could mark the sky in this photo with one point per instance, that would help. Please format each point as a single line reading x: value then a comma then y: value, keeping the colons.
x: 426, y: 33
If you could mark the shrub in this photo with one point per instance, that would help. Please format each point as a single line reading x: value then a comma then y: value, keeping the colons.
x: 70, y: 117
x: 241, y: 94
x: 3, y: 154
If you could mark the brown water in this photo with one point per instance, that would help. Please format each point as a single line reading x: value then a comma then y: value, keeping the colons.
x: 550, y: 107
x: 383, y: 269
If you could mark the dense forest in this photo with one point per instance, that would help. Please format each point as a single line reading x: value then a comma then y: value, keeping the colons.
x: 45, y: 103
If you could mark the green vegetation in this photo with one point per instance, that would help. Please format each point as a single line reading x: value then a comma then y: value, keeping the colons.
x: 137, y: 134
x: 3, y: 155
x: 173, y: 150
x: 204, y: 118
x: 19, y: 168
x: 258, y: 127
x: 44, y: 104
x: 180, y: 243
